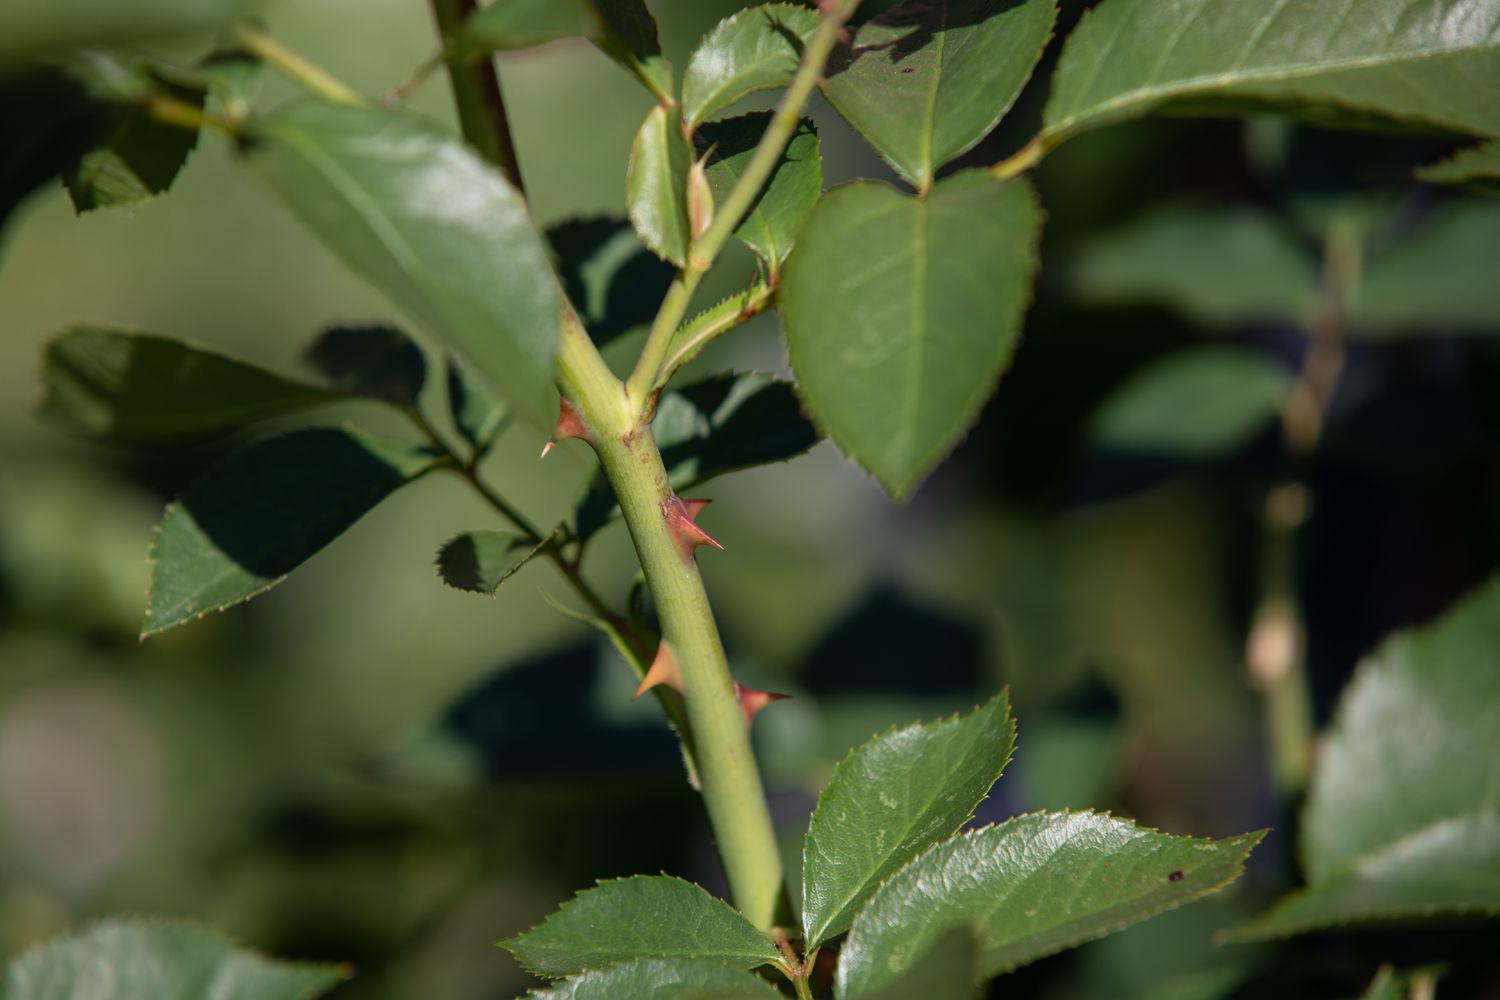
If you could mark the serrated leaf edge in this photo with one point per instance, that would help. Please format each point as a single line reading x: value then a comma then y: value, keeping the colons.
x: 725, y: 24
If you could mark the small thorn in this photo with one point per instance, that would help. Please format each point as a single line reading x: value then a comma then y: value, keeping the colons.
x: 663, y: 671
x: 681, y: 516
x: 569, y: 425
x: 752, y: 701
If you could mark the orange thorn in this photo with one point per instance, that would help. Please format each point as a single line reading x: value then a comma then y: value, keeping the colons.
x: 569, y: 425
x: 681, y: 516
x: 663, y: 671
x: 752, y: 701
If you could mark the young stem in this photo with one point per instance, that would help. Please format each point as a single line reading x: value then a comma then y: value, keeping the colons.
x: 731, y: 784
x: 705, y: 249
x: 477, y: 94
x: 310, y: 75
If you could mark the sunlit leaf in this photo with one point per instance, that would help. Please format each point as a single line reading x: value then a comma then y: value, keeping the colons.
x: 755, y: 49
x: 656, y: 186
x: 657, y: 979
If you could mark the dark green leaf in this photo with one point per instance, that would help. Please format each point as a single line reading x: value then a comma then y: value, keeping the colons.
x: 1030, y: 887
x: 417, y: 213
x: 656, y: 186
x: 1194, y: 404
x: 949, y: 971
x: 116, y: 385
x: 892, y: 798
x: 36, y: 27
x: 902, y: 312
x: 1255, y: 272
x: 482, y: 560
x: 1477, y: 167
x: 476, y: 414
x: 721, y: 424
x: 641, y: 917
x: 615, y: 284
x: 925, y: 81
x: 1440, y: 276
x: 1419, y: 62
x: 630, y: 38
x: 1403, y: 817
x: 655, y: 979
x: 773, y: 221
x: 50, y: 121
x: 755, y: 49
x: 376, y: 361
x: 159, y: 960
x: 520, y: 24
x: 263, y: 511
x: 139, y: 160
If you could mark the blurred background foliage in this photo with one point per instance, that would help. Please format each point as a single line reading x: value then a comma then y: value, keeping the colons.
x: 367, y: 766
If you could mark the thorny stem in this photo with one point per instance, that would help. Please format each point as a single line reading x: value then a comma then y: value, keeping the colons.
x: 310, y: 75
x: 706, y: 247
x: 476, y: 93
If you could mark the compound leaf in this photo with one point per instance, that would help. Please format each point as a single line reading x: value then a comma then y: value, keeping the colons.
x: 1426, y: 63
x: 1030, y: 887
x: 771, y: 225
x: 260, y: 513
x: 755, y: 49
x: 925, y: 81
x: 901, y: 313
x: 647, y: 916
x: 417, y: 213
x: 163, y: 960
x: 892, y: 798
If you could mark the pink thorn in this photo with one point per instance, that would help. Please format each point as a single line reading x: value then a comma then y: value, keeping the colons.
x: 569, y: 425
x: 752, y: 701
x: 663, y: 670
x: 679, y: 515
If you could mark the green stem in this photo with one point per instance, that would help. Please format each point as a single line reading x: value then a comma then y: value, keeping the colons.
x: 296, y: 66
x: 171, y: 111
x: 706, y: 247
x: 731, y: 785
x: 698, y: 332
x: 1021, y: 160
x: 477, y: 94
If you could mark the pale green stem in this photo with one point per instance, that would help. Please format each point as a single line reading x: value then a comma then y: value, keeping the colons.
x: 1022, y: 160
x: 310, y: 75
x: 706, y: 247
x: 171, y: 111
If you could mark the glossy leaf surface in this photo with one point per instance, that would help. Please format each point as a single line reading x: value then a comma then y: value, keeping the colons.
x: 1030, y: 887
x: 1428, y: 63
x: 480, y: 561
x: 1422, y: 714
x: 925, y: 81
x: 648, y: 916
x: 721, y: 424
x: 892, y: 798
x: 657, y: 979
x: 162, y: 960
x: 656, y: 186
x: 121, y: 386
x: 1216, y: 266
x: 949, y: 971
x: 1194, y: 404
x: 901, y: 314
x: 755, y: 49
x: 253, y: 518
x: 414, y: 211
x: 770, y: 228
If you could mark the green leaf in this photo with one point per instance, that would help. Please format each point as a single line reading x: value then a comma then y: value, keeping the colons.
x: 656, y: 186
x: 1423, y: 717
x: 250, y: 520
x: 771, y: 225
x: 36, y: 27
x: 1194, y: 404
x: 949, y: 971
x: 755, y: 49
x: 925, y: 81
x: 615, y: 284
x: 231, y: 74
x: 417, y: 213
x: 478, y: 416
x: 902, y: 312
x: 139, y: 159
x: 520, y: 24
x: 1440, y: 276
x: 721, y: 424
x: 892, y: 798
x: 481, y: 561
x: 647, y: 916
x: 1256, y: 272
x: 121, y: 386
x: 162, y: 960
x: 630, y: 39
x: 380, y: 362
x: 1477, y: 167
x: 655, y: 979
x: 1428, y: 63
x: 1030, y: 887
